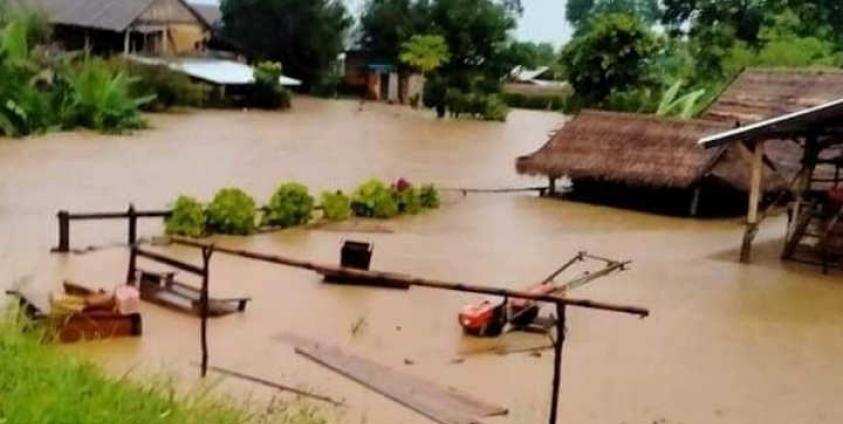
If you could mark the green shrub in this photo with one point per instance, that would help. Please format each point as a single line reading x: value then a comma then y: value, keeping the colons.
x: 336, y: 206
x: 534, y: 101
x: 42, y: 384
x: 476, y: 105
x: 495, y: 109
x: 327, y: 86
x: 267, y: 92
x: 406, y: 196
x: 231, y: 212
x: 429, y: 196
x: 187, y: 219
x: 169, y: 87
x: 102, y: 99
x: 290, y: 205
x: 374, y: 199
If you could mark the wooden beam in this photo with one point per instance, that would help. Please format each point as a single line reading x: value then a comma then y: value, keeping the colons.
x: 754, y: 200
x: 415, y: 281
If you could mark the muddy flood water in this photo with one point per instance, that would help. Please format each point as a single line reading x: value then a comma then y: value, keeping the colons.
x: 726, y: 343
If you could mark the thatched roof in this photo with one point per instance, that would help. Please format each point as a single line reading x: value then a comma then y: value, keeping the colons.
x: 642, y: 150
x: 758, y: 94
x: 646, y: 150
x: 114, y: 15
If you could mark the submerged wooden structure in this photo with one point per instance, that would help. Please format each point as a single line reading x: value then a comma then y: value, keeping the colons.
x: 561, y: 303
x: 84, y: 325
x: 620, y: 151
x: 815, y: 232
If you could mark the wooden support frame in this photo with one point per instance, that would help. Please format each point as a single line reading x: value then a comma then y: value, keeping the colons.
x: 132, y: 215
x: 561, y: 303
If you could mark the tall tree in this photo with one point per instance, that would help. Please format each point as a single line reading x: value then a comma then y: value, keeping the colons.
x: 612, y: 55
x: 579, y: 12
x: 742, y: 17
x: 387, y: 24
x: 304, y: 35
x: 476, y: 32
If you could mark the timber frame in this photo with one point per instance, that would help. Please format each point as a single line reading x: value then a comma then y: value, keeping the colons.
x: 817, y: 131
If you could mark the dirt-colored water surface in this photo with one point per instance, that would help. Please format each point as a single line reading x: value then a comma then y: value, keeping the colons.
x: 726, y: 343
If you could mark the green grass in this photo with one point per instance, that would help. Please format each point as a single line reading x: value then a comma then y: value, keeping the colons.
x: 39, y: 385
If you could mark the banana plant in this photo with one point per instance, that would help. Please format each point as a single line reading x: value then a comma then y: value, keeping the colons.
x: 684, y: 106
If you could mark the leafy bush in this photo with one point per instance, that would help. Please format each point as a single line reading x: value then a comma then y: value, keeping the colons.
x: 429, y: 196
x: 231, y: 212
x: 267, y: 92
x: 407, y: 196
x: 374, y: 199
x: 336, y: 206
x: 495, y: 109
x: 187, y: 219
x: 290, y: 205
x: 534, y: 101
x: 169, y: 87
x: 476, y: 105
x: 327, y: 85
x: 101, y: 98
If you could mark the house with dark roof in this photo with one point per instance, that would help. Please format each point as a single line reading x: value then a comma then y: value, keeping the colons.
x: 149, y: 27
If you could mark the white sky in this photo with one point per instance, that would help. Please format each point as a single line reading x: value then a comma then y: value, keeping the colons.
x: 543, y: 20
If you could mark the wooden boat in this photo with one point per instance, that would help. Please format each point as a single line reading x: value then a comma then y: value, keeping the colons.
x: 89, y: 324
x: 162, y: 289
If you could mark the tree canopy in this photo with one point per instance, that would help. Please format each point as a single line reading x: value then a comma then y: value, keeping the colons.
x: 304, y: 35
x: 425, y: 52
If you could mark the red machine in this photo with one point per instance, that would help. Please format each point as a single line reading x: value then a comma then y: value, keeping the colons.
x: 489, y: 317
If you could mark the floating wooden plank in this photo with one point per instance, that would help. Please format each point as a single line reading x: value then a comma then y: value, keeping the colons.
x: 442, y: 405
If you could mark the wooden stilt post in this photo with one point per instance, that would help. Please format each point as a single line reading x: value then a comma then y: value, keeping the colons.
x: 203, y: 329
x: 64, y: 232
x: 127, y: 36
x: 133, y: 225
x: 695, y: 201
x: 551, y: 186
x: 754, y: 200
x: 557, y: 361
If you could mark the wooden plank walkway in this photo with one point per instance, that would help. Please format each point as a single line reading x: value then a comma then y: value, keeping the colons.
x: 440, y: 404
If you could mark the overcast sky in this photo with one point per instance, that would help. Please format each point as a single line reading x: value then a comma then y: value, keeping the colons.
x: 543, y: 20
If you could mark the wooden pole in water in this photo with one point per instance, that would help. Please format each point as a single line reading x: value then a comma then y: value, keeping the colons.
x: 203, y: 305
x: 557, y: 361
x: 133, y: 225
x: 415, y: 281
x: 754, y: 200
x: 64, y: 232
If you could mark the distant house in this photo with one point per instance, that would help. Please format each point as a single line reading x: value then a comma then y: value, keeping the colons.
x: 150, y: 27
x: 379, y: 80
x: 536, y: 82
x: 635, y: 156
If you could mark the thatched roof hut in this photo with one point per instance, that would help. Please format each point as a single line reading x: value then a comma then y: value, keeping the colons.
x: 657, y: 153
x: 639, y: 150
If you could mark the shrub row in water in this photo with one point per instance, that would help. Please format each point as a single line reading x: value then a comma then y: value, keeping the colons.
x: 232, y: 211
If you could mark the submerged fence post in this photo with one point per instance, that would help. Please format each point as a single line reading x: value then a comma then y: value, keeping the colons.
x: 64, y: 232
x: 557, y: 361
x: 203, y: 307
x: 133, y: 225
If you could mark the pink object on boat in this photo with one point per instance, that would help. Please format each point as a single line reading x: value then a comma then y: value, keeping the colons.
x: 127, y: 300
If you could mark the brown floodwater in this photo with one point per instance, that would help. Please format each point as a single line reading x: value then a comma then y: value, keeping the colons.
x: 726, y: 343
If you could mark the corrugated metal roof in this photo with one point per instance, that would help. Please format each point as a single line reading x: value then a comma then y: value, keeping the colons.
x: 215, y: 71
